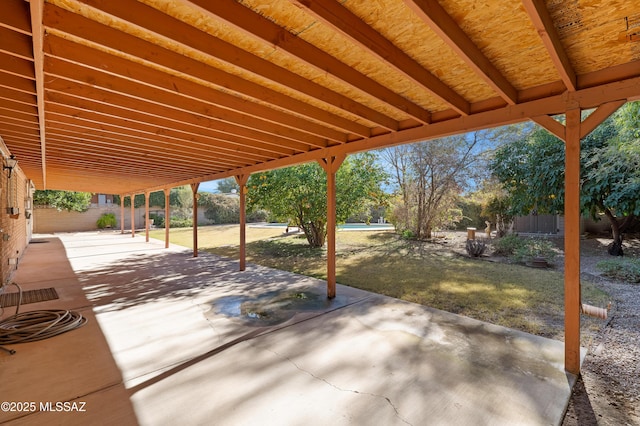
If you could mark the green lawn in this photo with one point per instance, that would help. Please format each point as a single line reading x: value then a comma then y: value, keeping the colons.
x: 430, y: 274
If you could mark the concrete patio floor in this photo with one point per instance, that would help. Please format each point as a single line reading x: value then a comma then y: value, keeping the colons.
x: 173, y: 339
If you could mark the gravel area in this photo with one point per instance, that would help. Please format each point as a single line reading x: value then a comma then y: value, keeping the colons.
x: 608, y: 391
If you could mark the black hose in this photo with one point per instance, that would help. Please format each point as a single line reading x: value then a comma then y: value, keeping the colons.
x: 37, y: 325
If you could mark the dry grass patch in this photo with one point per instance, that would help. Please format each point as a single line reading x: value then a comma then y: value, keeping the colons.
x: 430, y: 274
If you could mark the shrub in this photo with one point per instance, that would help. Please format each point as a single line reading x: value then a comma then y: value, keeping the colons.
x: 507, y: 245
x: 222, y: 209
x: 475, y: 248
x: 622, y: 269
x: 107, y: 220
x: 180, y: 223
x: 408, y: 234
x: 535, y: 247
x: 259, y: 215
x: 158, y: 220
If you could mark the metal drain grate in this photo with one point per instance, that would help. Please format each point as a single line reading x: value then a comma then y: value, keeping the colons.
x: 29, y: 296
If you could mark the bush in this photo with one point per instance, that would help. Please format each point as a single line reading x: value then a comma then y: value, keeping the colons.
x: 157, y: 219
x: 259, y: 215
x: 535, y: 248
x: 222, y: 209
x: 507, y: 245
x: 622, y: 269
x: 475, y: 248
x: 107, y: 220
x: 175, y: 222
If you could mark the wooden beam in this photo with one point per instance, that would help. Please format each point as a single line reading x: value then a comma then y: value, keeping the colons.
x: 444, y: 26
x: 598, y: 116
x: 241, y: 180
x: 551, y: 125
x: 133, y: 216
x: 167, y: 216
x: 146, y: 215
x: 88, y: 65
x: 541, y: 19
x: 122, y: 213
x: 36, y: 9
x: 81, y: 27
x: 349, y: 25
x: 585, y: 98
x: 572, y: 301
x: 125, y: 109
x: 176, y: 31
x: 264, y: 30
x: 194, y: 188
x: 331, y: 164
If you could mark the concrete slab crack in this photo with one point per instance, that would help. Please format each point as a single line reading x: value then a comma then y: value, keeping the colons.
x: 387, y: 399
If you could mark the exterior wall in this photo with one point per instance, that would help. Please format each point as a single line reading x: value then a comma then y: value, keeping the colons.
x: 15, y: 229
x: 49, y: 220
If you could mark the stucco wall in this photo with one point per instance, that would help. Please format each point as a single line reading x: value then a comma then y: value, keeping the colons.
x: 48, y: 220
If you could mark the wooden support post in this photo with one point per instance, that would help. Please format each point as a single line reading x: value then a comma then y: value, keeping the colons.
x: 241, y: 180
x: 122, y: 213
x: 331, y: 166
x: 194, y: 188
x: 167, y: 220
x: 572, y: 243
x: 133, y: 216
x: 146, y: 215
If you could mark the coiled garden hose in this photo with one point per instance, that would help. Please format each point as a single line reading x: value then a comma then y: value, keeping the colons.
x: 37, y: 325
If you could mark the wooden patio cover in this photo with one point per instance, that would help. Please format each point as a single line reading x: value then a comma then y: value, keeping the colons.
x: 131, y: 96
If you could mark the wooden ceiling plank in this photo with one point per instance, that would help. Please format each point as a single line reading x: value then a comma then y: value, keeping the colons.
x: 150, y: 19
x: 108, y: 157
x: 103, y: 35
x: 541, y: 19
x: 18, y: 97
x: 349, y: 25
x: 188, y: 141
x: 260, y: 28
x: 15, y: 16
x: 149, y: 140
x: 16, y: 66
x: 16, y: 44
x: 104, y: 137
x: 127, y: 107
x: 234, y: 109
x: 22, y: 108
x: 205, y: 137
x: 437, y: 18
x: 56, y: 67
x: 19, y: 83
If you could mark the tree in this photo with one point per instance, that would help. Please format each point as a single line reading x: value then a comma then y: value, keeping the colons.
x: 228, y: 185
x: 532, y: 172
x: 298, y: 194
x: 63, y: 200
x: 429, y: 176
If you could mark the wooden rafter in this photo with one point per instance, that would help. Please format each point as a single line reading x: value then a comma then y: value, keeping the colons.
x: 36, y: 9
x: 178, y: 32
x: 345, y: 22
x: 444, y: 25
x: 543, y: 23
x: 254, y: 25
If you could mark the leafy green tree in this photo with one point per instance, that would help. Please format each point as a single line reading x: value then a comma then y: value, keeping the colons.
x: 63, y: 200
x: 220, y: 208
x: 298, y: 194
x: 532, y: 172
x: 228, y: 185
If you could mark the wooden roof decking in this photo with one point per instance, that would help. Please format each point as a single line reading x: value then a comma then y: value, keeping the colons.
x: 127, y: 96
